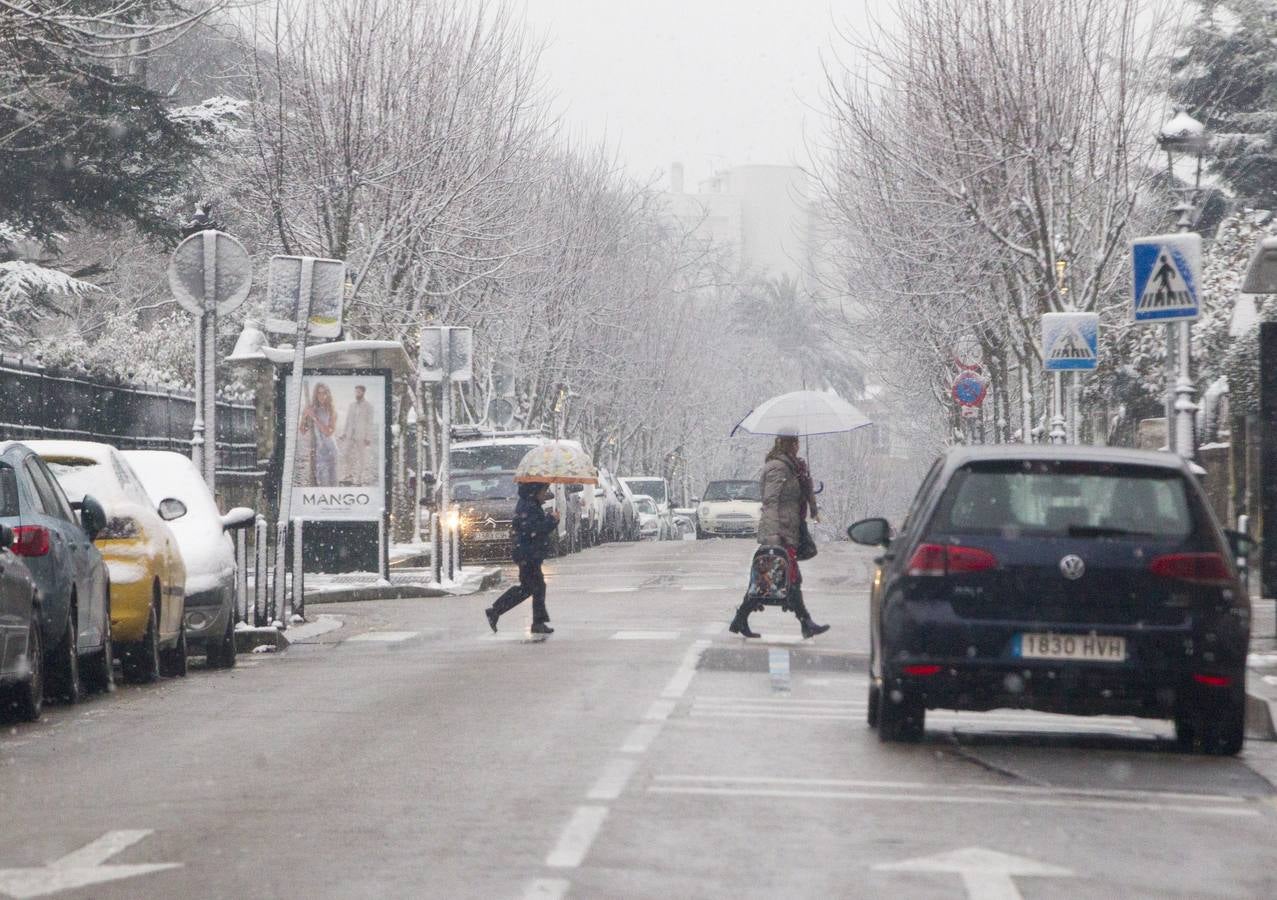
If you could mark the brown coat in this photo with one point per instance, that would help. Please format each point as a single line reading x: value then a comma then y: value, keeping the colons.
x: 782, y: 501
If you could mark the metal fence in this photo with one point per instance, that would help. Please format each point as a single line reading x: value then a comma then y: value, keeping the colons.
x: 36, y: 402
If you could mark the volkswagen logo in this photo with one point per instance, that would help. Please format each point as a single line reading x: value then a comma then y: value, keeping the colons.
x: 1072, y: 567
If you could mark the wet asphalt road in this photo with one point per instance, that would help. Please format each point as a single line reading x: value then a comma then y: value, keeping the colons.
x: 641, y: 751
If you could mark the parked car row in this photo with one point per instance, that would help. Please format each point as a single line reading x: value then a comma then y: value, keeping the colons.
x: 105, y: 556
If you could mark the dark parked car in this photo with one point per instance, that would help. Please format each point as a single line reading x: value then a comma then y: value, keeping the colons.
x: 486, y: 501
x: 21, y: 647
x: 1075, y: 580
x: 70, y: 576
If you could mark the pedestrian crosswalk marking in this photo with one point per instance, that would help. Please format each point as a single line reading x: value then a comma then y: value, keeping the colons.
x: 1121, y: 800
x: 383, y: 637
x: 645, y: 636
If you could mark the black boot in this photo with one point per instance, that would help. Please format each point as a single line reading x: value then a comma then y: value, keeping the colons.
x: 541, y: 628
x: 810, y: 628
x: 492, y: 615
x: 740, y: 624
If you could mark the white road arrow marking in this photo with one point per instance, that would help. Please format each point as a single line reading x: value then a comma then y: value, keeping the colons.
x: 79, y: 868
x: 986, y: 874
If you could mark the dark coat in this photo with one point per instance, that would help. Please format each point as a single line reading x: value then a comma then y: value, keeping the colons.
x: 531, y: 527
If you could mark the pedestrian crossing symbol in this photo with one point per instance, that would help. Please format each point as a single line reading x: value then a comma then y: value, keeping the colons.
x: 1070, y: 341
x: 1166, y: 271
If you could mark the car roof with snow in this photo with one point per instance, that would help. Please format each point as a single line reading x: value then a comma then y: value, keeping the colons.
x: 90, y: 450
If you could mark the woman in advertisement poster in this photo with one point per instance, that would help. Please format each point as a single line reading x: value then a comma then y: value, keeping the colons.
x: 318, y: 425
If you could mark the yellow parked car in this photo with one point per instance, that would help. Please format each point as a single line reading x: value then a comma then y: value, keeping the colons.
x: 148, y: 579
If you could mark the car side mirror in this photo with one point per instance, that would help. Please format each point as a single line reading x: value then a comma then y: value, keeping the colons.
x: 598, y: 492
x: 92, y: 517
x: 695, y: 500
x: 6, y: 537
x: 238, y: 518
x: 871, y: 532
x: 171, y: 508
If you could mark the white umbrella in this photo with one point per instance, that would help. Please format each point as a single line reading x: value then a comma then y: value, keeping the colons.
x: 803, y: 413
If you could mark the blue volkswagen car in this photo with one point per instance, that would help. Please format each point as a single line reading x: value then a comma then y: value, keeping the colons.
x: 55, y: 541
x: 1078, y: 580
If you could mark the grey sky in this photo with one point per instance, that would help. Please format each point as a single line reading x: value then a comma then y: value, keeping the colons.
x: 707, y: 82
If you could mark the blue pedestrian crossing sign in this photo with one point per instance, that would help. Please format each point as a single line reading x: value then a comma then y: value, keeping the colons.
x: 1167, y: 277
x: 1070, y: 341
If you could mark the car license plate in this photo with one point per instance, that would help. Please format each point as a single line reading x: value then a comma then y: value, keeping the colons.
x: 491, y: 535
x: 1086, y: 647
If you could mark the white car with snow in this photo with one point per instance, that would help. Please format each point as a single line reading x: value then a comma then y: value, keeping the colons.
x: 652, y: 525
x: 205, y: 545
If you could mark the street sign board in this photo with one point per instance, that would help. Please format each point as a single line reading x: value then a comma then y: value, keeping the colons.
x: 210, y: 269
x: 327, y: 292
x: 446, y: 342
x: 1167, y: 277
x: 1070, y: 341
x: 969, y: 389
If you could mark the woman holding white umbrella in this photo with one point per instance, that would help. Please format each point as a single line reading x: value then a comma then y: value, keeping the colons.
x: 784, y: 494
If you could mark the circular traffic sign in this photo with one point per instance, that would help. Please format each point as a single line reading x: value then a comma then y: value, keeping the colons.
x: 228, y: 264
x: 969, y: 389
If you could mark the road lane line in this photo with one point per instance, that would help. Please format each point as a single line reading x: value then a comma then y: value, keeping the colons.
x: 383, y: 637
x: 546, y: 889
x: 615, y: 777
x: 710, y: 629
x: 778, y: 666
x: 1113, y: 805
x: 686, y: 670
x: 1032, y: 790
x: 705, y: 587
x: 614, y: 590
x: 641, y: 737
x: 576, y: 838
x: 645, y: 636
x: 660, y: 710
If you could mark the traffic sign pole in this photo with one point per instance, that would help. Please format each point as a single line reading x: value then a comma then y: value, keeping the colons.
x: 445, y: 455
x: 209, y: 368
x: 1058, y: 434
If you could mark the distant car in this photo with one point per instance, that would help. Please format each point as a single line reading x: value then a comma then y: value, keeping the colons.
x: 651, y: 525
x: 486, y: 501
x: 729, y: 509
x: 658, y: 489
x: 70, y: 575
x: 629, y: 514
x: 208, y: 553
x: 1079, y: 580
x: 612, y: 511
x: 21, y: 641
x: 142, y: 555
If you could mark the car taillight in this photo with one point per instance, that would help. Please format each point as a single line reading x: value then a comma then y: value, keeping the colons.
x: 922, y: 669
x: 949, y: 559
x: 1196, y: 568
x: 119, y: 528
x: 30, y: 540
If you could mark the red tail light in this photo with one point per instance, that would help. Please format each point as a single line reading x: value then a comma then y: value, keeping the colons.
x: 948, y: 559
x: 1197, y: 568
x: 922, y: 670
x: 30, y: 540
x: 1212, y: 680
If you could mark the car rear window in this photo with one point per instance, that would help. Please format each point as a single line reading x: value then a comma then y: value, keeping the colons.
x: 1065, y: 499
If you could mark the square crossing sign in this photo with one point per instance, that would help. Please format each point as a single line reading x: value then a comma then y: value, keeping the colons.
x: 1167, y: 277
x: 1070, y: 341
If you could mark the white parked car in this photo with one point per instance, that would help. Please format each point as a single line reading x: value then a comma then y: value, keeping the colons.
x: 729, y: 509
x: 609, y: 500
x: 651, y: 523
x: 205, y: 545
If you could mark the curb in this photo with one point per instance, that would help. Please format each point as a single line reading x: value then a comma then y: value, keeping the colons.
x: 247, y: 640
x: 1259, y: 717
x: 396, y: 591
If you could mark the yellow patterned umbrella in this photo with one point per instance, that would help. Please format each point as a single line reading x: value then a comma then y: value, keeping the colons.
x: 557, y: 462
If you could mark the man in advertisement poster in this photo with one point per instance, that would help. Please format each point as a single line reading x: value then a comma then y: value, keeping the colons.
x: 359, y: 441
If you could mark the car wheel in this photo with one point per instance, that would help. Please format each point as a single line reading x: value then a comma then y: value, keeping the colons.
x: 28, y: 694
x: 173, y: 659
x: 1215, y: 728
x: 141, y: 661
x: 100, y: 675
x: 221, y: 652
x: 62, y: 668
x: 875, y: 697
x: 901, y: 716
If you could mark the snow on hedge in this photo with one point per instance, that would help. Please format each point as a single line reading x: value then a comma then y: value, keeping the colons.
x: 20, y: 279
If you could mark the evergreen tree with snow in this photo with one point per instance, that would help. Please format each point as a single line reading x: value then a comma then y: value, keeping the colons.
x: 1226, y: 76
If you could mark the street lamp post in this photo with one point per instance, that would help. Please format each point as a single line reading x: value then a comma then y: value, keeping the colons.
x: 1183, y: 136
